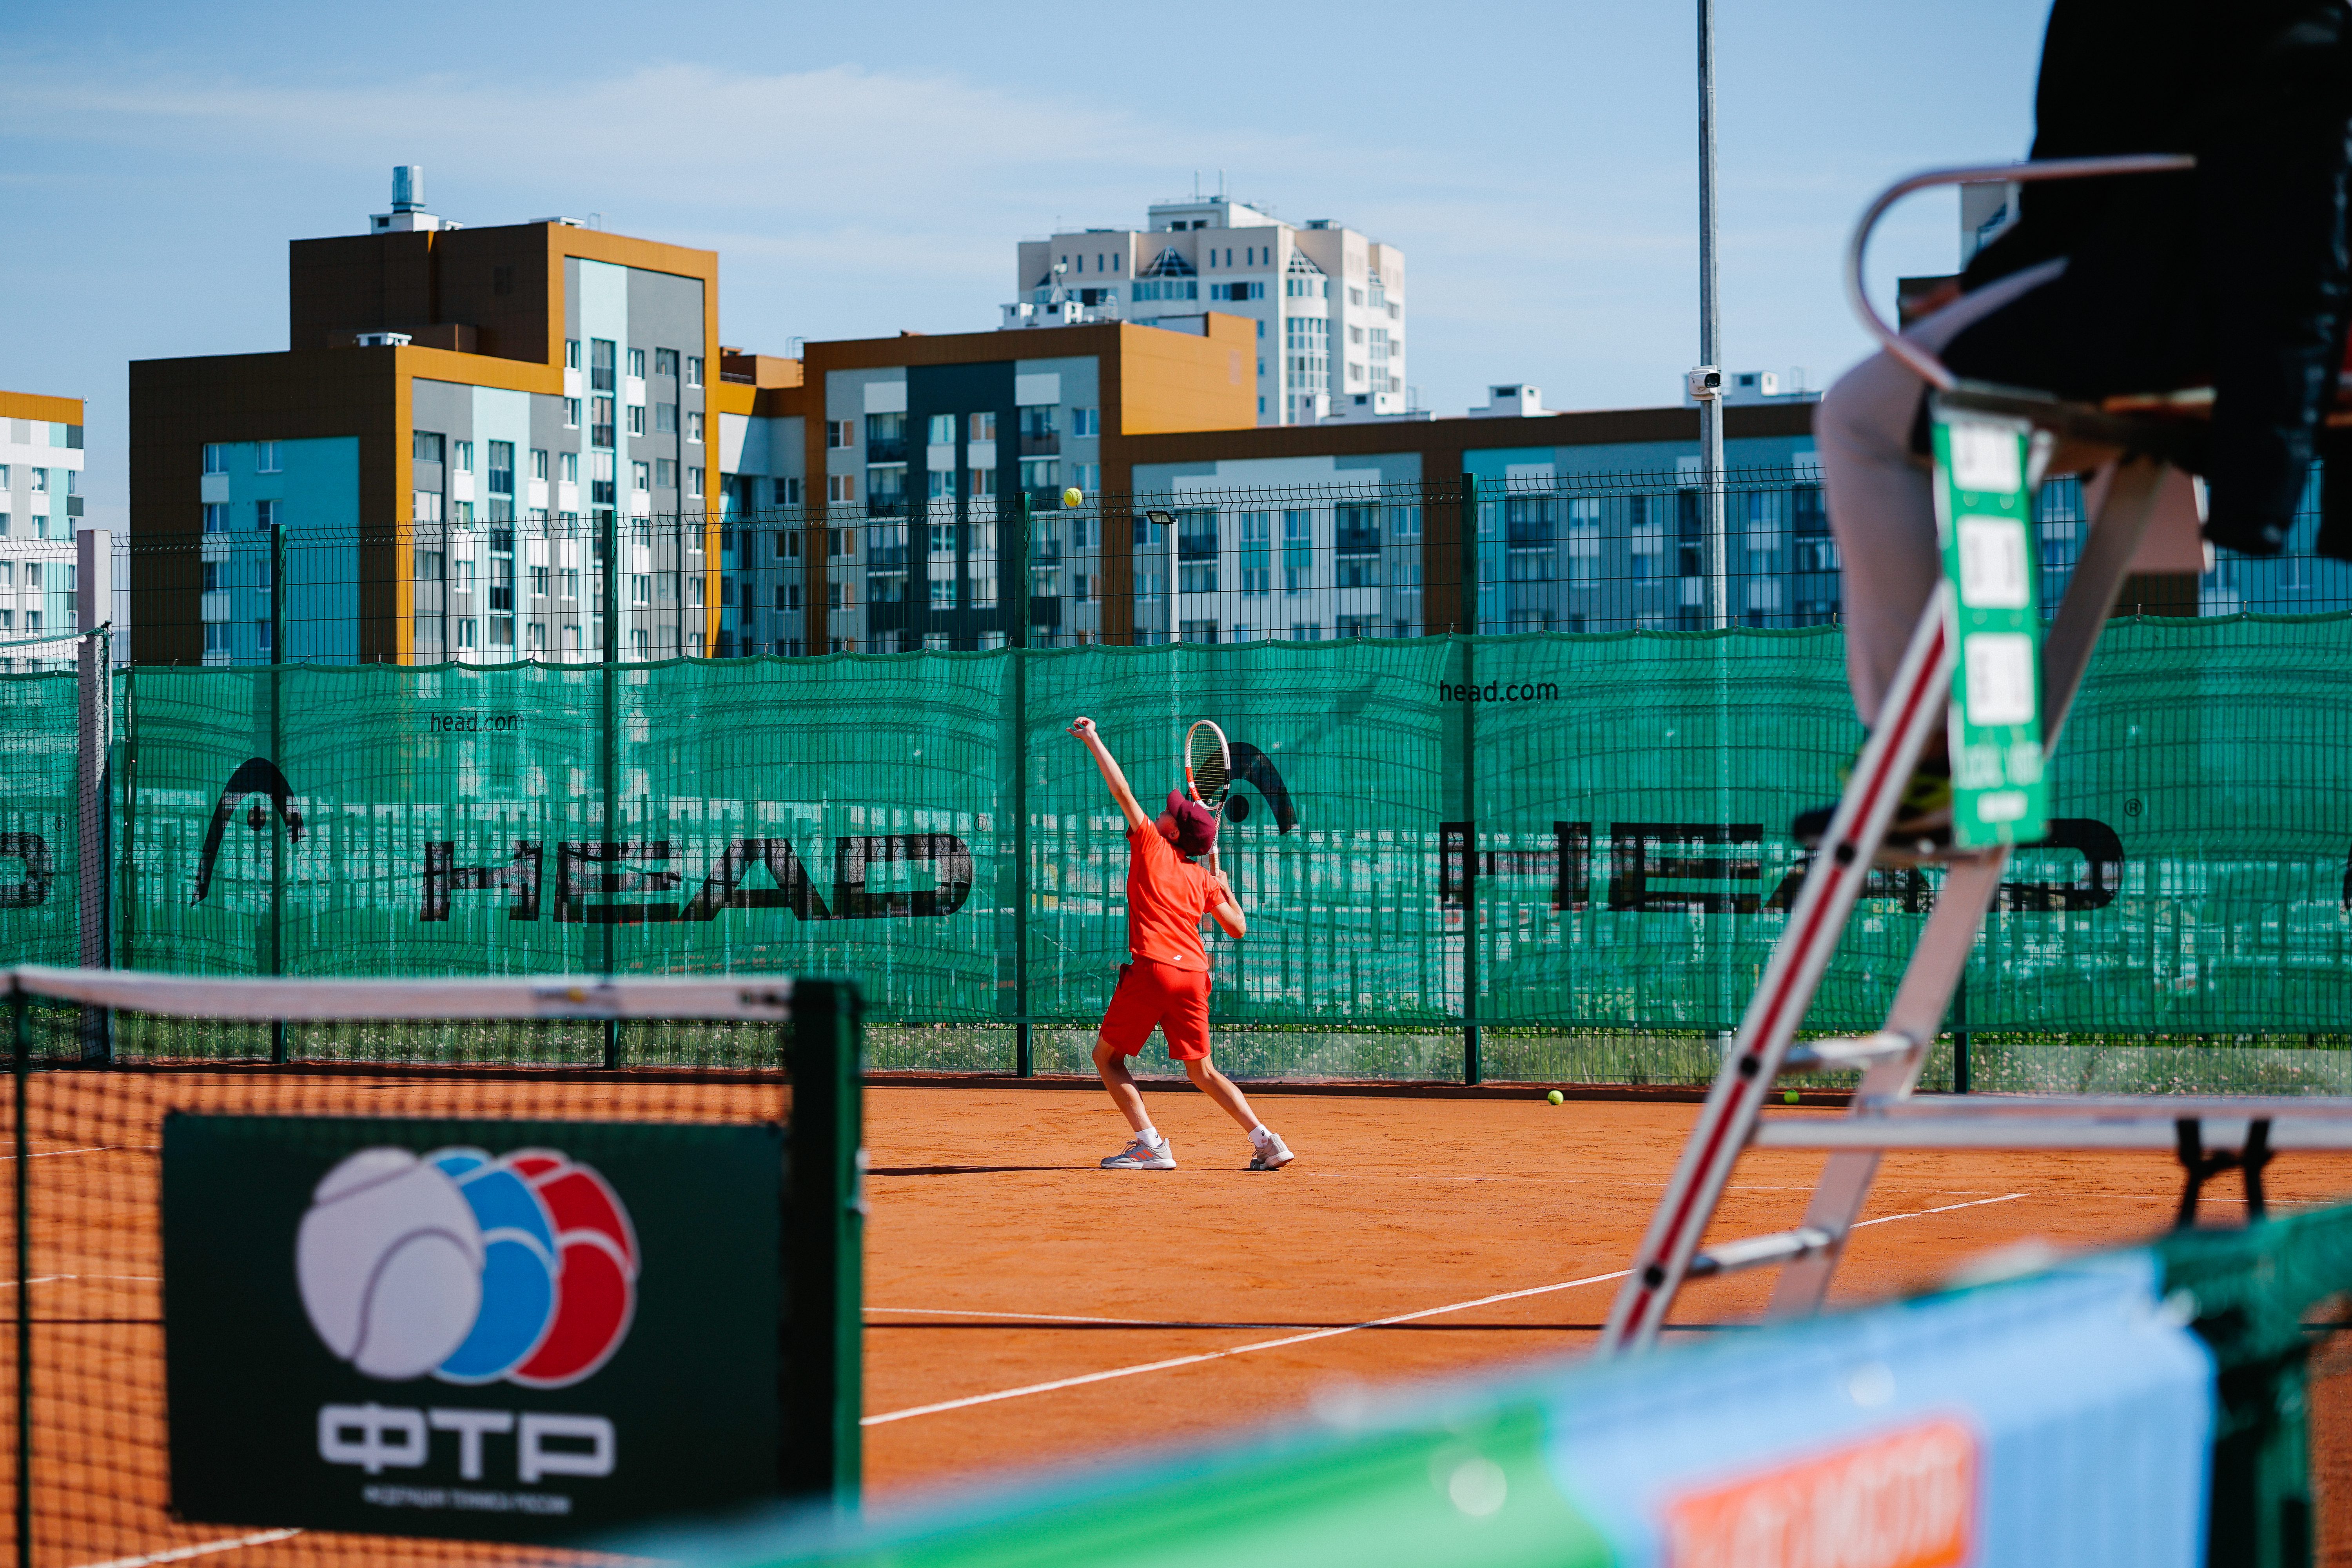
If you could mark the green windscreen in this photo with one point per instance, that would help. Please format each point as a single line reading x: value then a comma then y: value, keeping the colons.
x: 1609, y: 814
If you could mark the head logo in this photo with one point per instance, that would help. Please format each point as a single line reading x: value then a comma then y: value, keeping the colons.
x: 469, y: 1267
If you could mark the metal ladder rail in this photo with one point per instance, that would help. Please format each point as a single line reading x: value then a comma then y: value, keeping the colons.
x: 1817, y: 922
x: 1669, y: 1252
x: 1826, y: 899
x: 1968, y: 892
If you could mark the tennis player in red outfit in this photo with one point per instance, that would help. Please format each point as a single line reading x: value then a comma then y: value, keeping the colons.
x: 1166, y: 980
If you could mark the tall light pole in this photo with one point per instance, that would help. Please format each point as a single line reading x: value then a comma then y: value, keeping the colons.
x: 1707, y: 381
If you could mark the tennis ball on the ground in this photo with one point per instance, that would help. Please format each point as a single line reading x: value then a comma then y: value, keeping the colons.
x: 1073, y: 497
x: 1555, y: 1097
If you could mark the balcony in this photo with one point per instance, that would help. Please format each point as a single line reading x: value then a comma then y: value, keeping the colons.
x: 1045, y: 612
x: 886, y: 505
x: 1356, y: 541
x: 1048, y: 444
x: 887, y: 450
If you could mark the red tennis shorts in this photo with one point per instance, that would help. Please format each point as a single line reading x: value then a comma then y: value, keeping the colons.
x: 1177, y: 1000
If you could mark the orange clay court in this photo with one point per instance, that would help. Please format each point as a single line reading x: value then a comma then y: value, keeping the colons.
x: 1179, y: 1307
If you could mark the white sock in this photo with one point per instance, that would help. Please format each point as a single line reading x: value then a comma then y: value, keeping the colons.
x: 1260, y: 1136
x: 1151, y: 1135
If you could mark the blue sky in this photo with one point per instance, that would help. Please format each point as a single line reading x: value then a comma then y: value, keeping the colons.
x: 867, y: 168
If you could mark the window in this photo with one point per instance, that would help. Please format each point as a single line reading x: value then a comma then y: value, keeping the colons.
x: 466, y: 634
x: 1298, y: 551
x: 570, y: 467
x: 216, y: 458
x: 571, y: 414
x: 1257, y: 552
x: 424, y: 446
x: 841, y: 487
x: 788, y: 492
x: 461, y: 456
x: 981, y: 426
x: 841, y: 595
x: 265, y: 514
x: 664, y: 362
x: 665, y: 418
x: 788, y: 597
x: 641, y: 588
x: 539, y: 464
x: 666, y: 473
x: 637, y: 364
x: 840, y: 433
x: 1087, y: 477
x: 217, y: 517
x: 1236, y: 291
x: 600, y: 430
x: 694, y: 424
x: 572, y: 354
x: 636, y: 419
x: 501, y: 479
x: 1041, y: 474
x: 694, y: 483
x: 265, y: 457
x: 1085, y: 421
x: 943, y: 429
x: 693, y: 370
x: 641, y: 477
x: 601, y: 362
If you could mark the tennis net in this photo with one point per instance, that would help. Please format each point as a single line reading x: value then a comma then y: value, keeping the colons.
x: 363, y: 1269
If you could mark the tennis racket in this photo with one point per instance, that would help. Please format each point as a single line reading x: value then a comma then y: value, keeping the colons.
x: 1208, y: 773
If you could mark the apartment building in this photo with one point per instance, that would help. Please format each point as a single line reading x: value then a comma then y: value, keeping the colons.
x: 874, y: 491
x: 40, y: 513
x: 464, y: 422
x: 1327, y: 302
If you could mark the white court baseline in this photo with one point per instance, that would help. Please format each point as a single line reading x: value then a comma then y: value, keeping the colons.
x: 1198, y: 1357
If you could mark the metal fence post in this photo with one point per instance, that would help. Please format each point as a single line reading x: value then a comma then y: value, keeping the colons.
x: 93, y: 604
x: 1472, y: 1069
x: 278, y: 760
x: 21, y: 1064
x: 609, y: 764
x: 1023, y: 1063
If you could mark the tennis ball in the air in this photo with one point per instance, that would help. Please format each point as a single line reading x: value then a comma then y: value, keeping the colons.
x: 1073, y: 497
x: 1790, y: 1096
x: 1555, y: 1097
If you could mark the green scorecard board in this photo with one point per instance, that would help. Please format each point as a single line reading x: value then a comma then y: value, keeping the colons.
x: 1984, y: 522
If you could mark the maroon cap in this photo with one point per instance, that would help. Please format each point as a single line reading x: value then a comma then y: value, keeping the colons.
x: 1196, y: 829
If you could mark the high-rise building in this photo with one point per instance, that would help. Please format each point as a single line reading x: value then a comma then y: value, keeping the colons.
x: 40, y: 511
x: 1327, y: 301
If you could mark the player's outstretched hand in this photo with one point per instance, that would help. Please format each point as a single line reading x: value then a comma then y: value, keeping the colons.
x: 1083, y: 729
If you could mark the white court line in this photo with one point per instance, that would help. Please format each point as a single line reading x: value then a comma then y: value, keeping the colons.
x: 177, y: 1553
x: 1316, y: 1334
x: 53, y: 1154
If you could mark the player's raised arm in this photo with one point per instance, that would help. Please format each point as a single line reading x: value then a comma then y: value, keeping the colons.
x: 1228, y: 913
x: 1084, y: 729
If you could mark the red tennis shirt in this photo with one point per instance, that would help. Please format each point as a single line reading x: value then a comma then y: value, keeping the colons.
x: 1166, y: 897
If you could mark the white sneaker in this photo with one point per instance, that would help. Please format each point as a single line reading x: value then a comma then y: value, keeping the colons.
x: 1271, y: 1156
x: 1141, y: 1156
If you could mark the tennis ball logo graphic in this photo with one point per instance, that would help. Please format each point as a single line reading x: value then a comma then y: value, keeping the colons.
x: 470, y: 1267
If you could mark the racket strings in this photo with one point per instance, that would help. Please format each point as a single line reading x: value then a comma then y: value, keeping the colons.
x: 1205, y: 762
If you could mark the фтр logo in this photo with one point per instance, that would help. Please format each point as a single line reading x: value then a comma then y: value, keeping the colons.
x: 469, y: 1267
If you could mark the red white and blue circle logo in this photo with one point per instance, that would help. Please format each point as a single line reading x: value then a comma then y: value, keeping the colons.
x: 472, y: 1267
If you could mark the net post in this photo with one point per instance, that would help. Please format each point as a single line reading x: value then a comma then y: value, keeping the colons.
x: 824, y: 1246
x: 278, y: 760
x: 20, y: 1063
x: 1023, y: 1062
